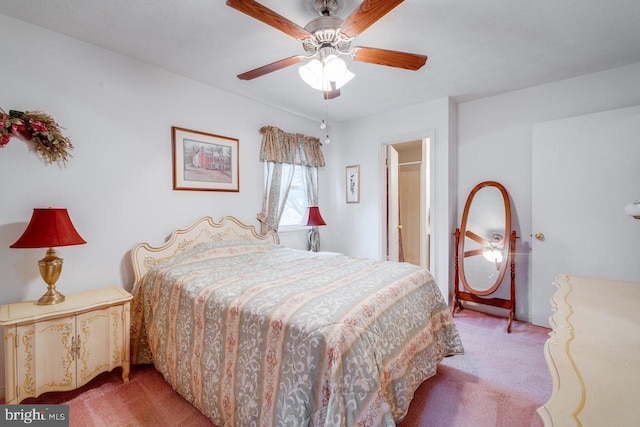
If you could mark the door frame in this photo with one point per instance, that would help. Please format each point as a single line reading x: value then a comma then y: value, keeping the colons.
x: 392, y: 210
x: 428, y: 149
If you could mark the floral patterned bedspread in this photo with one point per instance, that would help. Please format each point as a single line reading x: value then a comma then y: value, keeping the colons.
x: 257, y: 334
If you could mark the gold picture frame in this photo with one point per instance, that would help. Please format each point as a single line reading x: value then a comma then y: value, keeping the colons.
x: 352, y: 183
x: 204, y: 161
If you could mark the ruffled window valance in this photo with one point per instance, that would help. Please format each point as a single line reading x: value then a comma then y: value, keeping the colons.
x: 292, y: 148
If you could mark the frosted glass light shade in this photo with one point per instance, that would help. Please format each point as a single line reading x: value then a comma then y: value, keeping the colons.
x: 334, y: 68
x: 492, y: 255
x: 311, y: 73
x: 319, y: 78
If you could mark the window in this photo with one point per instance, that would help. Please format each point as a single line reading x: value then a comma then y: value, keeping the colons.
x: 296, y: 204
x: 291, y: 177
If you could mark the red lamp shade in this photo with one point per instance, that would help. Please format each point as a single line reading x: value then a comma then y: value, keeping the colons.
x: 49, y: 228
x: 314, y: 218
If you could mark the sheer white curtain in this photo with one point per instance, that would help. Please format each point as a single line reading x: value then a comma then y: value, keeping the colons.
x: 284, y: 152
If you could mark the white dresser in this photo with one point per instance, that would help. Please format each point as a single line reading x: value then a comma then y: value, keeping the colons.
x: 593, y: 354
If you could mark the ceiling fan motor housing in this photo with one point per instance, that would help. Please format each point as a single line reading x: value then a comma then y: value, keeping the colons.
x: 325, y: 31
x: 325, y: 7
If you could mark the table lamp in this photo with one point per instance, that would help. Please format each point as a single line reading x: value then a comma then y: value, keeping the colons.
x: 314, y: 219
x: 49, y: 228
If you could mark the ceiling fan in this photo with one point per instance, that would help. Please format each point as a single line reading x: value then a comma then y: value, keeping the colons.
x: 327, y: 38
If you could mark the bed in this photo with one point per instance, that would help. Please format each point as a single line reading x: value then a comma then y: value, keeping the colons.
x: 252, y: 333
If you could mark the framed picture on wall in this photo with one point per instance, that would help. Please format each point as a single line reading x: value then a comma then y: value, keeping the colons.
x: 204, y: 162
x: 353, y: 184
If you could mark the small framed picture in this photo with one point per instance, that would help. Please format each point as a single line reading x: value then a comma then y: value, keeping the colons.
x: 204, y: 162
x: 353, y: 184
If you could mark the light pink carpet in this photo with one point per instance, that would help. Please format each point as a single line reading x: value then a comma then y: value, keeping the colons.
x: 500, y: 381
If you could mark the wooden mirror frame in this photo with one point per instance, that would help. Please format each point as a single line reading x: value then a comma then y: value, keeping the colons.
x: 475, y: 295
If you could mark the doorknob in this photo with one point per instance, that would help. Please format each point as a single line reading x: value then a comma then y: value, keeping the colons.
x: 539, y: 236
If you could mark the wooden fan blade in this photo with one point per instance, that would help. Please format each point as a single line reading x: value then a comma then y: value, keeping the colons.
x: 391, y: 58
x: 473, y: 252
x: 333, y: 93
x: 269, y: 68
x: 269, y: 17
x: 366, y: 15
x: 477, y: 238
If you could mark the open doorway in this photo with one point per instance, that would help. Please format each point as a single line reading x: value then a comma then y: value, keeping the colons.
x: 408, y: 202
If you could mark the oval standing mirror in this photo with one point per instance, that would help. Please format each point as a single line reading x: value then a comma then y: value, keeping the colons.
x: 484, y: 245
x: 486, y: 220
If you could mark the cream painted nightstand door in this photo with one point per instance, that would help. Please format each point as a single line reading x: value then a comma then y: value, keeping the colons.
x: 44, y: 358
x: 100, y: 342
x: 61, y: 347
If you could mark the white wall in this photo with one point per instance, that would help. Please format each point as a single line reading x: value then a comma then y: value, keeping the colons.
x: 494, y: 143
x: 117, y: 186
x: 359, y: 229
x: 118, y: 113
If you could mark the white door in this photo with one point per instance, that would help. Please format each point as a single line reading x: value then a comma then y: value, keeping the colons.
x: 585, y: 170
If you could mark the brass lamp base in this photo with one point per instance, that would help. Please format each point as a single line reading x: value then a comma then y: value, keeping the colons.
x: 50, y: 269
x: 52, y: 296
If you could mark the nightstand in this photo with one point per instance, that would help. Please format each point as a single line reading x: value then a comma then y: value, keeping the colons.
x: 62, y: 347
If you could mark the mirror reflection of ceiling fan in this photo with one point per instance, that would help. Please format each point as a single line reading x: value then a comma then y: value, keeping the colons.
x: 326, y: 39
x: 491, y: 250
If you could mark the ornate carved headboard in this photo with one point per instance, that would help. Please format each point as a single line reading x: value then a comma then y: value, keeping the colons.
x: 206, y: 229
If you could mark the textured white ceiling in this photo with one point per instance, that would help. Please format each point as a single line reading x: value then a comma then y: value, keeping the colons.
x: 475, y: 48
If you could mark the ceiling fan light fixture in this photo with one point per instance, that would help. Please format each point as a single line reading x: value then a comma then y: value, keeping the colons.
x: 334, y: 68
x: 493, y: 252
x: 320, y: 76
x: 343, y: 80
x: 492, y: 255
x: 311, y: 73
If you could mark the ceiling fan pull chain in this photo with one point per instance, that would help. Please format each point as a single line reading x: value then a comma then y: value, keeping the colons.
x: 327, y: 140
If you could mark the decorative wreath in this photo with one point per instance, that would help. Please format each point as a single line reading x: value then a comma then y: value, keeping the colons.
x: 38, y: 128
